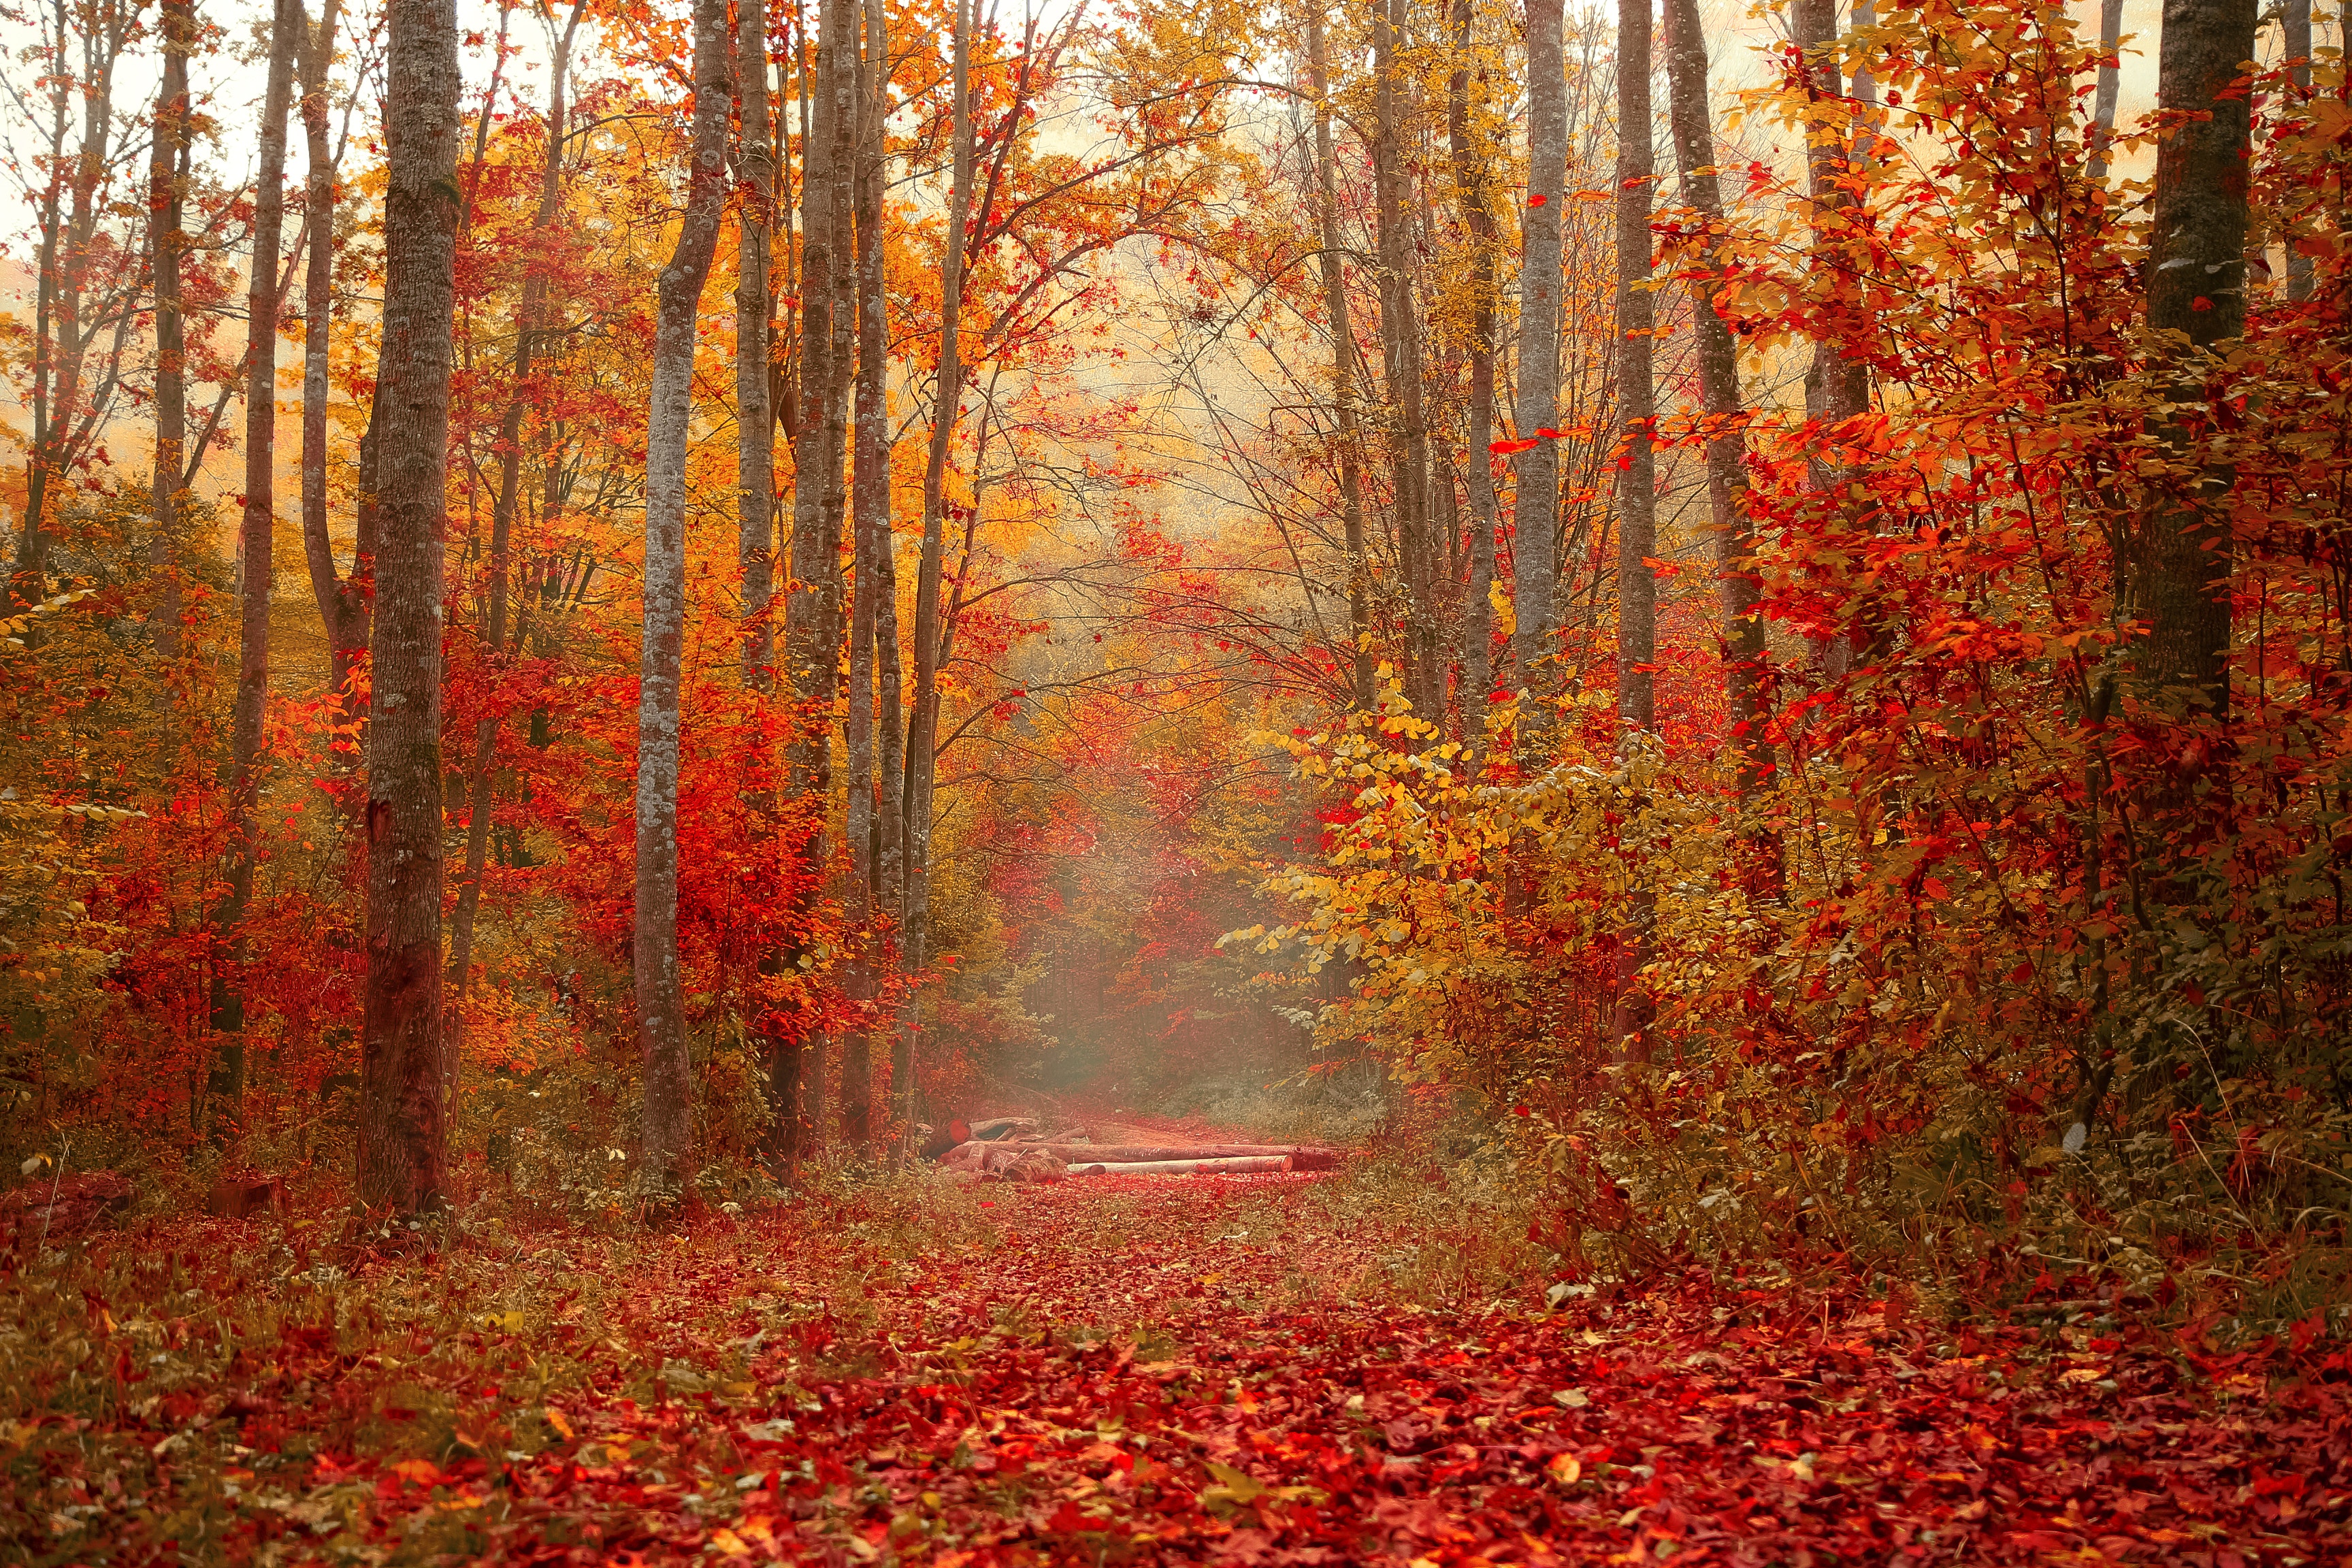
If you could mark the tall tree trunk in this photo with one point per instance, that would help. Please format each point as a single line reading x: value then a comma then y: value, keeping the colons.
x: 661, y: 1024
x: 403, y: 1079
x: 256, y: 539
x: 1745, y: 657
x: 922, y: 727
x: 64, y: 420
x: 1408, y: 433
x: 166, y: 242
x: 1637, y: 646
x: 870, y: 509
x: 2297, y: 20
x: 2110, y: 80
x: 1343, y: 361
x: 2196, y: 286
x: 1471, y: 156
x: 342, y: 601
x: 812, y: 611
x: 1535, y: 508
x: 755, y: 424
x: 531, y: 324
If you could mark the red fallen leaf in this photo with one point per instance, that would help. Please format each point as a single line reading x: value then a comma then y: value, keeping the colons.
x: 2200, y: 303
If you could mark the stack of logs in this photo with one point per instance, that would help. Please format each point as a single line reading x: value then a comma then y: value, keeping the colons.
x: 1010, y: 1148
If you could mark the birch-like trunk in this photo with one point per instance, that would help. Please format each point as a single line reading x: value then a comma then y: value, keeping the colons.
x: 342, y: 601
x: 1343, y: 363
x: 870, y: 516
x: 661, y: 1027
x: 1637, y: 644
x: 1535, y: 508
x: 402, y: 1131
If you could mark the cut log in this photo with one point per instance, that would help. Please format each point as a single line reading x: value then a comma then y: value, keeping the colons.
x: 1242, y: 1165
x: 1000, y: 1127
x: 1302, y: 1159
x: 243, y: 1195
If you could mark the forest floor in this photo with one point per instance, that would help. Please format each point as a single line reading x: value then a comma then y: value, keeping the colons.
x: 1246, y: 1370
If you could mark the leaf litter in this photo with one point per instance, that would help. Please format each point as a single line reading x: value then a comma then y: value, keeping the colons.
x: 1127, y: 1370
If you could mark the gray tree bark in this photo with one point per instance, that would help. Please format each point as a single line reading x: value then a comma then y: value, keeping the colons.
x: 403, y: 1132
x: 1535, y: 507
x: 1408, y: 434
x: 755, y: 420
x: 661, y: 1027
x: 922, y: 727
x: 166, y: 167
x: 1343, y: 363
x: 2297, y: 19
x: 1637, y: 647
x: 870, y: 511
x: 342, y: 601
x: 2110, y: 82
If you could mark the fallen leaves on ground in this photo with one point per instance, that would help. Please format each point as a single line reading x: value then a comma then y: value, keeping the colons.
x: 1123, y: 1370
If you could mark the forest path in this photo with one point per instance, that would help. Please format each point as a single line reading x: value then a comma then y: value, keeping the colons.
x: 1136, y: 1369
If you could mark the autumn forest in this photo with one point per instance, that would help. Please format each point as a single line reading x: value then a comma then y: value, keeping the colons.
x: 1406, y: 780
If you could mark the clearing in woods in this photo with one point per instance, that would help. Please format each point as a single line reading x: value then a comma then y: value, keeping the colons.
x: 1347, y: 1368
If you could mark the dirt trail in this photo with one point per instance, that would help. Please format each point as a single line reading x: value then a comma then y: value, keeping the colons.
x: 1192, y: 1370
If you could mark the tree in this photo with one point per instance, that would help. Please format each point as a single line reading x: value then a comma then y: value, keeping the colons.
x: 1535, y: 507
x: 1343, y: 359
x: 172, y: 141
x: 1708, y: 235
x: 1473, y: 158
x: 404, y: 1078
x: 2197, y: 290
x: 255, y: 542
x: 669, y: 1132
x: 342, y: 598
x: 531, y: 327
x: 1637, y: 500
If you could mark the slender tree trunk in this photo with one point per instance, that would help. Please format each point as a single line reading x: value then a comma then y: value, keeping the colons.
x: 1471, y: 156
x: 164, y: 206
x: 342, y: 602
x: 1535, y: 509
x: 661, y: 1026
x: 402, y: 1079
x: 2110, y: 80
x: 1745, y: 670
x: 755, y: 424
x: 1637, y: 477
x: 870, y: 507
x: 922, y: 727
x: 1400, y: 360
x: 255, y: 541
x: 2196, y: 286
x: 1343, y: 363
x: 2297, y: 19
x: 812, y: 628
x: 530, y: 324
